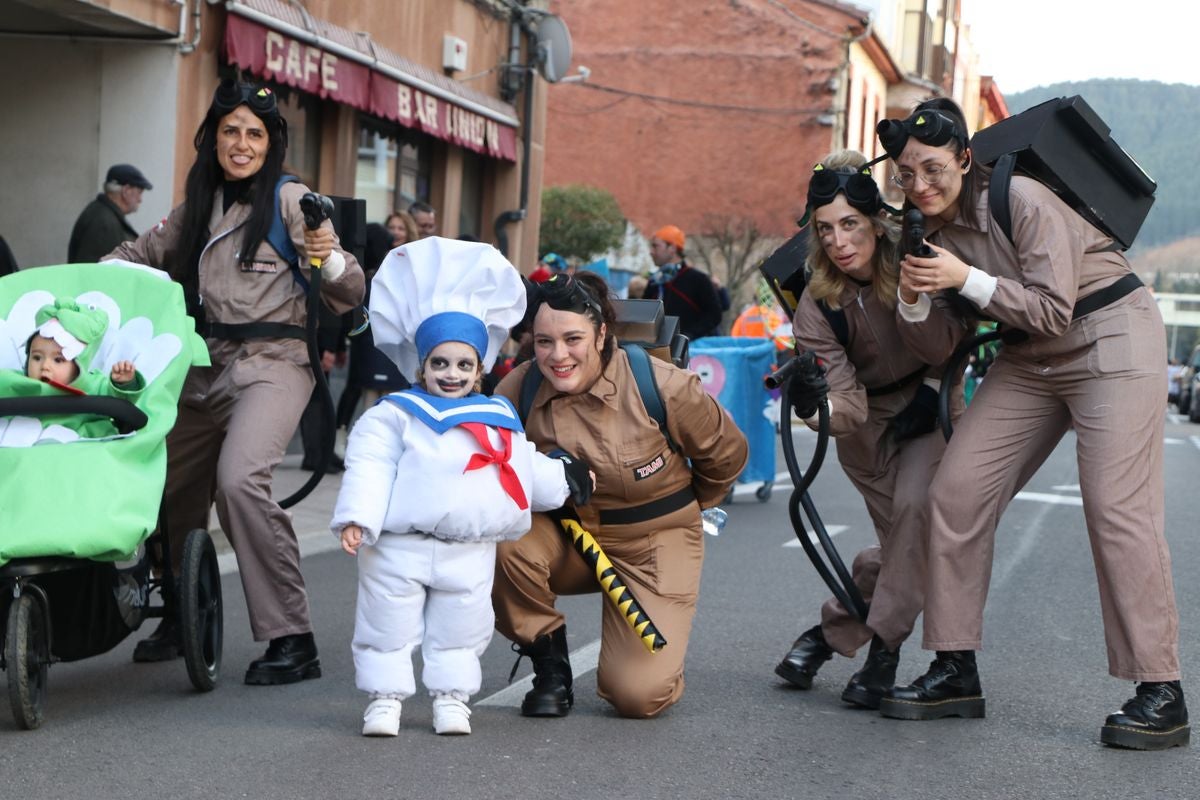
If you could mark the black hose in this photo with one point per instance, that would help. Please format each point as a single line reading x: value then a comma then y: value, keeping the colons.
x: 954, y: 373
x: 838, y: 579
x: 316, y: 209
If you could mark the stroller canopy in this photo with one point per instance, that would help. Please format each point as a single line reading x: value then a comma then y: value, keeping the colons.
x: 67, y: 494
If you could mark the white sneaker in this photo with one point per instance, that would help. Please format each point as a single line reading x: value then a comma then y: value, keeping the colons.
x: 450, y: 716
x: 382, y: 717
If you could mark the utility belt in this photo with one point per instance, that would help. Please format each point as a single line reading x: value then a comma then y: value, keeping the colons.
x: 1093, y: 302
x: 251, y: 330
x: 895, y: 386
x: 648, y: 511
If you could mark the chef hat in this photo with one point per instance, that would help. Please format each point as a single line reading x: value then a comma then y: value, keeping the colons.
x: 438, y: 290
x: 77, y: 330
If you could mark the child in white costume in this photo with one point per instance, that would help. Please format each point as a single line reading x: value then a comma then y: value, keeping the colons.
x: 435, y: 476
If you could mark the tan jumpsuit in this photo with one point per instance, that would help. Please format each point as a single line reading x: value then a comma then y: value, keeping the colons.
x: 659, y: 559
x: 891, y: 477
x: 251, y: 398
x: 1101, y: 374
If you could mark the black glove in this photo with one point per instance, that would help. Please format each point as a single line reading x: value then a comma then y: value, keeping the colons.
x: 807, y: 386
x: 579, y: 476
x: 918, y: 417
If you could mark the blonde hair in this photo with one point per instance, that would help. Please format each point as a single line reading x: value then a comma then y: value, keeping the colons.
x: 827, y: 283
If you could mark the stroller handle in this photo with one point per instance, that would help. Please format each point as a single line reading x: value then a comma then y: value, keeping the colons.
x: 125, y: 415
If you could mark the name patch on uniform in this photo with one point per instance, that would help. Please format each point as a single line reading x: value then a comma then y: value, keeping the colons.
x: 259, y: 266
x: 648, y: 469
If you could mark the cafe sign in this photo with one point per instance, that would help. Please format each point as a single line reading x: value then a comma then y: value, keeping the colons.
x: 281, y: 58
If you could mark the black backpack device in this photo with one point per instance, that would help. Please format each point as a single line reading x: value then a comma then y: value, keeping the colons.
x: 1064, y: 144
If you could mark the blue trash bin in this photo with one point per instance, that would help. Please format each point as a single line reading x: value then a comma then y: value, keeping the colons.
x: 732, y: 369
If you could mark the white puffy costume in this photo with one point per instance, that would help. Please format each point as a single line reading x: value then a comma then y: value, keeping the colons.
x: 431, y: 499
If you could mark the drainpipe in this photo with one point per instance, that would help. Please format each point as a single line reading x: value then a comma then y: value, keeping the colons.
x: 514, y: 215
x: 190, y: 47
x: 840, y: 131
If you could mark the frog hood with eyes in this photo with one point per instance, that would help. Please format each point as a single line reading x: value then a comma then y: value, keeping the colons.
x: 78, y: 330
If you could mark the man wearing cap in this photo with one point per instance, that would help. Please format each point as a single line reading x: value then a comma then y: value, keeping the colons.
x: 102, y: 225
x: 686, y: 292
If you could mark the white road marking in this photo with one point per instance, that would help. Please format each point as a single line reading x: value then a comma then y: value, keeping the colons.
x: 743, y: 489
x: 311, y: 543
x: 583, y: 660
x: 1054, y: 499
x: 1066, y: 487
x: 832, y: 530
x: 1195, y: 440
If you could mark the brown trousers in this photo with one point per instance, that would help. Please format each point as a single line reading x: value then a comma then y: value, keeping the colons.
x: 234, y: 425
x: 893, y: 480
x: 661, y: 566
x: 1104, y: 377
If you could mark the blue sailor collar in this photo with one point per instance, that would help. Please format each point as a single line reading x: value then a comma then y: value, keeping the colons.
x: 443, y: 413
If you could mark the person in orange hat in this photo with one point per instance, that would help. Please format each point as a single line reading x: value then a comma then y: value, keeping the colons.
x: 686, y: 292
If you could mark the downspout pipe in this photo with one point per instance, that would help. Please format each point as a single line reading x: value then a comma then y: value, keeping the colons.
x: 515, y: 215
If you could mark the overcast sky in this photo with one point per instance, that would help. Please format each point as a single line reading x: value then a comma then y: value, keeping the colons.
x: 1028, y: 43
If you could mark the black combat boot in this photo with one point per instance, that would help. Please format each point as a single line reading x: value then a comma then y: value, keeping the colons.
x: 807, y: 655
x: 162, y: 645
x: 1154, y: 719
x: 949, y: 689
x: 551, y: 695
x: 877, y: 676
x: 288, y: 659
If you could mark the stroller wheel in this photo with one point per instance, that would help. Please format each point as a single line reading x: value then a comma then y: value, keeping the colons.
x: 200, y: 613
x: 26, y: 658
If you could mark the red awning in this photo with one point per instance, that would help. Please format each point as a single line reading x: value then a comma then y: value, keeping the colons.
x: 322, y: 66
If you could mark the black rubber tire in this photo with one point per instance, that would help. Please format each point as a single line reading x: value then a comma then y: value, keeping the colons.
x: 25, y: 650
x: 201, y: 616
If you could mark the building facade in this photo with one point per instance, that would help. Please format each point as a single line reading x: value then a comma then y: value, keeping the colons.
x: 388, y: 102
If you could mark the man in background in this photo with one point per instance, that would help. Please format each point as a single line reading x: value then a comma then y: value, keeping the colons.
x: 686, y: 292
x: 426, y: 218
x: 102, y: 224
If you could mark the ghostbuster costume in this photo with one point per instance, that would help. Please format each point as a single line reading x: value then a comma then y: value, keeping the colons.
x: 237, y: 416
x: 434, y: 482
x: 882, y: 412
x: 1092, y: 361
x: 881, y: 415
x: 645, y: 515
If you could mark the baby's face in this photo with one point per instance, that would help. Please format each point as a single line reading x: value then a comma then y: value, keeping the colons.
x: 47, y: 362
x: 451, y: 369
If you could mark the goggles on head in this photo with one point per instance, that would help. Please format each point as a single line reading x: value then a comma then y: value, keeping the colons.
x: 230, y: 94
x: 928, y: 126
x: 563, y: 293
x: 860, y: 189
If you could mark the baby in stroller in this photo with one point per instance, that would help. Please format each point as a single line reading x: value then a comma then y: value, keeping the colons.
x: 94, y: 443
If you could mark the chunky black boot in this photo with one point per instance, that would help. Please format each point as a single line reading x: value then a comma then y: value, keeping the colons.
x: 949, y: 689
x: 1154, y: 719
x: 288, y: 659
x: 876, y: 678
x: 551, y: 695
x: 808, y: 653
x: 162, y: 645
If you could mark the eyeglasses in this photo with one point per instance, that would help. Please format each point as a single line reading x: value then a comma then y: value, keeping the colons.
x: 230, y: 94
x: 860, y: 190
x: 932, y: 176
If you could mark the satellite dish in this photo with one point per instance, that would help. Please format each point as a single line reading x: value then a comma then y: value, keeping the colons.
x: 553, y: 48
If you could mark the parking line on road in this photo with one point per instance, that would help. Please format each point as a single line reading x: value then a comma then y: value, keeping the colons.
x: 743, y: 489
x: 1195, y: 440
x: 583, y: 660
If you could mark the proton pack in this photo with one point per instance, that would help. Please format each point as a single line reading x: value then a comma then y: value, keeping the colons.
x: 1065, y: 145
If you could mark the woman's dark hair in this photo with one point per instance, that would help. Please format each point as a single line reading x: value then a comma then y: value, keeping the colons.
x: 976, y: 178
x: 584, y: 293
x: 206, y: 175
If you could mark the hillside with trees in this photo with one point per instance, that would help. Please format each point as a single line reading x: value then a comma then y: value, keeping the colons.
x: 1156, y: 123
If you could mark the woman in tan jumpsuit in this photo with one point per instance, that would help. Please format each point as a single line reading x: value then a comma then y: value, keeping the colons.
x: 237, y: 416
x: 1092, y: 360
x: 882, y: 413
x: 644, y: 512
